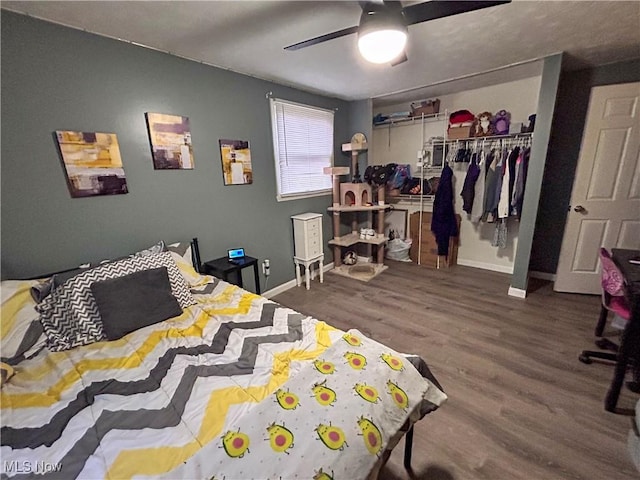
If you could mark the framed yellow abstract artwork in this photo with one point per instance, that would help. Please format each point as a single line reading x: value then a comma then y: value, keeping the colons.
x: 236, y: 162
x: 92, y: 162
x: 170, y: 138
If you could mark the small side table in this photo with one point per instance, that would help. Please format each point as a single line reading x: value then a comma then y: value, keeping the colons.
x: 307, y: 266
x: 221, y: 267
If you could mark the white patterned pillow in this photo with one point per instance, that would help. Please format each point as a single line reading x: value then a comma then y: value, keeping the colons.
x: 41, y: 290
x: 70, y: 315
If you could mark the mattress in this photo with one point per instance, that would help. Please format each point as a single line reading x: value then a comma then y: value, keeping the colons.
x: 237, y: 386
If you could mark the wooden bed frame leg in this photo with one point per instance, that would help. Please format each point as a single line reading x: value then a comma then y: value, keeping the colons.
x: 408, y: 445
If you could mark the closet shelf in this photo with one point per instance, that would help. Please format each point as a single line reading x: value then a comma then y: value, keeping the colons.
x: 399, y: 122
x: 404, y: 196
x: 410, y: 197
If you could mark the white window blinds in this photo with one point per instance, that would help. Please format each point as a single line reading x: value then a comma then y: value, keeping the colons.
x: 303, y: 146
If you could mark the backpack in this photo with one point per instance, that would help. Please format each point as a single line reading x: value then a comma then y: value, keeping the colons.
x: 379, y: 174
x: 400, y: 176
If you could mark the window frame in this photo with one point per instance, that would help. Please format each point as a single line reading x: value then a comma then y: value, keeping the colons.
x: 273, y: 102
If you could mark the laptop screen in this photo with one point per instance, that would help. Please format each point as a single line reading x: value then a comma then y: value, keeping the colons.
x: 236, y: 253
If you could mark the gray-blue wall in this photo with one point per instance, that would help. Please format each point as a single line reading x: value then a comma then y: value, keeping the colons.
x: 56, y: 78
x: 564, y: 149
x: 360, y: 120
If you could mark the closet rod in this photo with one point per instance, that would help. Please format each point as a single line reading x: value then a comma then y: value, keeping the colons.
x: 494, y: 137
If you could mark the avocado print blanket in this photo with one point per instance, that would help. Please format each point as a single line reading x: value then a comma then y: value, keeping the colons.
x: 237, y: 387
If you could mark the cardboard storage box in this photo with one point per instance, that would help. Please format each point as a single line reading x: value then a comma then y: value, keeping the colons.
x: 428, y: 248
x: 426, y: 107
x: 456, y: 133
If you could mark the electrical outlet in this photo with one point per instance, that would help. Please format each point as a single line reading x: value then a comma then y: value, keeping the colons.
x: 266, y: 270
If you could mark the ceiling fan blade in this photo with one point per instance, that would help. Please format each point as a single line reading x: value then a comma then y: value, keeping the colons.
x: 401, y: 59
x: 422, y: 12
x: 364, y: 5
x: 417, y: 13
x: 322, y: 38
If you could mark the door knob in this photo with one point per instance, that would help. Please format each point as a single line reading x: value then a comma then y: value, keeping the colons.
x: 579, y: 209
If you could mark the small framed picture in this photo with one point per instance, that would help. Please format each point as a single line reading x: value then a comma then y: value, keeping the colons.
x: 236, y: 162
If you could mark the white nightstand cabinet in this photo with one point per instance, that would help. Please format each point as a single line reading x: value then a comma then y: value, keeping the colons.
x: 307, y: 235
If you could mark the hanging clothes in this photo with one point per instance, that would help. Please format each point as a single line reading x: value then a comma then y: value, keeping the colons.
x: 443, y: 219
x: 520, y: 182
x: 490, y: 190
x: 493, y: 188
x: 478, y: 203
x: 468, y: 189
x: 500, y: 168
x: 518, y: 185
x: 513, y: 158
x: 504, y: 200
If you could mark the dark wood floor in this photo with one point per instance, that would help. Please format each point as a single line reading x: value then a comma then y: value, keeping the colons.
x: 521, y: 405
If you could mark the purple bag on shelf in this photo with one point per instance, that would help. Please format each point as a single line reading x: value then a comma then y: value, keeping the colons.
x: 501, y: 121
x: 400, y: 176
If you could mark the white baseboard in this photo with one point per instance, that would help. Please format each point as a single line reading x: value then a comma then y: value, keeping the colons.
x: 543, y: 275
x: 517, y: 292
x: 291, y: 283
x: 272, y: 292
x: 485, y: 266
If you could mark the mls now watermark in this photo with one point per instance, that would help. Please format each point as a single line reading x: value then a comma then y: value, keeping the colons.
x: 27, y: 466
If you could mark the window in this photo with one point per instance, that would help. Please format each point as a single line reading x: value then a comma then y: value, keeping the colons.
x: 303, y: 147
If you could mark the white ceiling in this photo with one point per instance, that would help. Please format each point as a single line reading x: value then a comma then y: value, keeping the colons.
x: 248, y: 37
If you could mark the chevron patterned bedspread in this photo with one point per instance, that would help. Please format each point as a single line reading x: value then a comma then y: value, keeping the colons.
x: 237, y: 387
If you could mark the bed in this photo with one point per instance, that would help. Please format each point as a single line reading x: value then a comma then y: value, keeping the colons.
x: 234, y: 387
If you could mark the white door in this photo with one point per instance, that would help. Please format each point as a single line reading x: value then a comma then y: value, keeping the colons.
x: 605, y: 201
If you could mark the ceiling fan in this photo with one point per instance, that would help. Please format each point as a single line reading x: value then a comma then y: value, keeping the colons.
x: 382, y: 31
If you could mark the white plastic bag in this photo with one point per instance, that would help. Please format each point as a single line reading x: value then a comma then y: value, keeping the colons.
x: 398, y: 250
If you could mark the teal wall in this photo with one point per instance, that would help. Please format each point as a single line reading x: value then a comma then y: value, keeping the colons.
x: 564, y: 149
x: 360, y: 120
x: 56, y: 78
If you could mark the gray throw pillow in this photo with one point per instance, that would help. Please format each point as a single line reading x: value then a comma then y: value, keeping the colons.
x: 69, y: 315
x: 134, y: 301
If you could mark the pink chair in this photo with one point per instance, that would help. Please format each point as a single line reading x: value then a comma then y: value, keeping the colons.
x: 613, y: 300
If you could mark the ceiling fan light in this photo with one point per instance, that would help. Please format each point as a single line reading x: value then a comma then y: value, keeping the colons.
x: 382, y: 46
